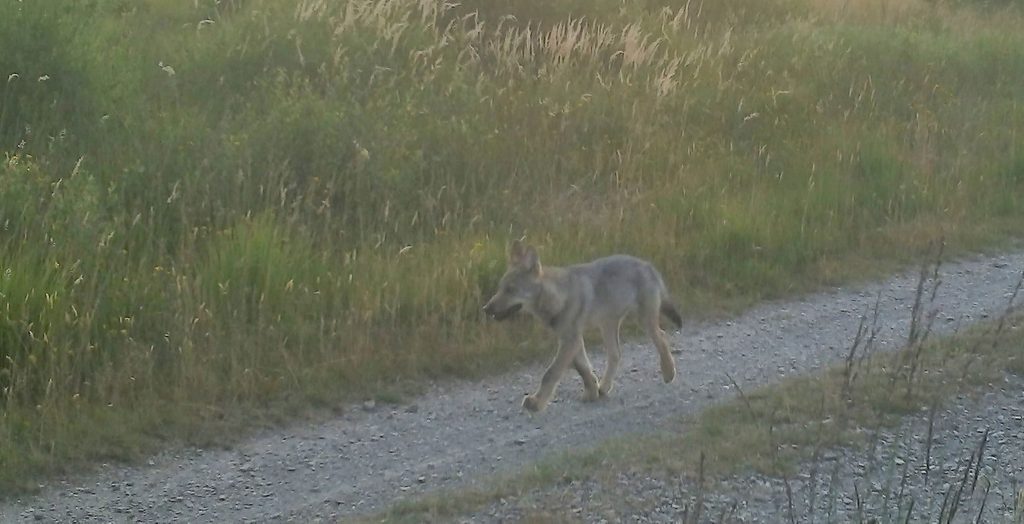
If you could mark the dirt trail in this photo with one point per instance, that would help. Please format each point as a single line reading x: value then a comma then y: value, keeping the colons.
x: 460, y: 432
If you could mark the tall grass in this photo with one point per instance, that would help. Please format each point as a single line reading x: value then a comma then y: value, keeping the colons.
x: 208, y: 208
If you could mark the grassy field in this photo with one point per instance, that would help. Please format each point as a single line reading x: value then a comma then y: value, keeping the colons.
x: 213, y: 213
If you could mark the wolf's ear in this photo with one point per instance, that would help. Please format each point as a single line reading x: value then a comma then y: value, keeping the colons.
x: 516, y: 253
x: 531, y: 261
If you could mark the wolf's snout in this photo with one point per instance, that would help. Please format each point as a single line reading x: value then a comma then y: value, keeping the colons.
x: 490, y: 310
x: 500, y: 314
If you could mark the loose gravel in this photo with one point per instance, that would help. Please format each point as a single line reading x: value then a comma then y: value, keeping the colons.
x: 376, y: 455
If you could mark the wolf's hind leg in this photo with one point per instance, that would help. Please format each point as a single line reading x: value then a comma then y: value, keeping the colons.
x: 649, y: 319
x: 613, y: 348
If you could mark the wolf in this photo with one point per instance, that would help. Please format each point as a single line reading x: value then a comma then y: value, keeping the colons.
x: 600, y: 293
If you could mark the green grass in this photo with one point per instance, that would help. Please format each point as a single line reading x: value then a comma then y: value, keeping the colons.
x: 215, y: 213
x: 770, y: 430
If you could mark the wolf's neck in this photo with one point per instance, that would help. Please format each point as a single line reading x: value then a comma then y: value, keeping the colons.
x: 552, y: 303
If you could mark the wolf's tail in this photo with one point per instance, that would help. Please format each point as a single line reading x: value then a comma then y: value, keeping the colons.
x: 669, y: 310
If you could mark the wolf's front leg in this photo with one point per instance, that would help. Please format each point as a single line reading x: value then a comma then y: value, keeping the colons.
x: 586, y: 371
x: 549, y: 382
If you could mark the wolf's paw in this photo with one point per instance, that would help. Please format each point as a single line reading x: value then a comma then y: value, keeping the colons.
x: 532, y: 404
x: 591, y: 391
x: 605, y: 390
x: 668, y: 371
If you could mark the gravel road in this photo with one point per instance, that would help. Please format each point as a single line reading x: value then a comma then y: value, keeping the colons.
x: 458, y: 432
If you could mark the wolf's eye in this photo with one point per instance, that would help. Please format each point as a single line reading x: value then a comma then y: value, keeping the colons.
x: 510, y: 289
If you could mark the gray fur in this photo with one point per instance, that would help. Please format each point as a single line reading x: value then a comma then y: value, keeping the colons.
x: 600, y: 294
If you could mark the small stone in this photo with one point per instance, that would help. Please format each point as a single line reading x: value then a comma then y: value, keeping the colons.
x: 413, y: 408
x: 369, y: 405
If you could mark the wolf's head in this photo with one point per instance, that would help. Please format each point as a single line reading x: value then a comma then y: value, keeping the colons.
x: 519, y: 286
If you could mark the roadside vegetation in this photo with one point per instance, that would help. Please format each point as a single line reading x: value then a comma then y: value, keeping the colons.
x: 213, y: 213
